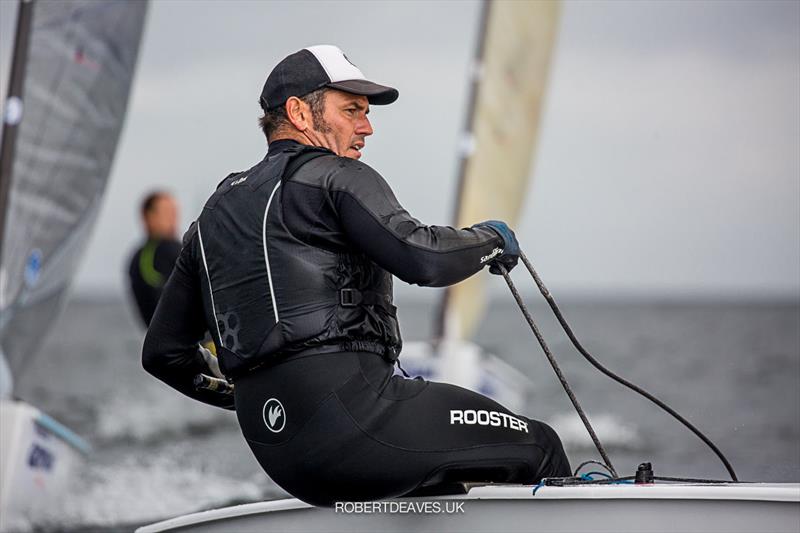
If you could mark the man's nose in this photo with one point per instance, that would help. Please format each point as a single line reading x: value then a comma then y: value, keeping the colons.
x: 364, y: 127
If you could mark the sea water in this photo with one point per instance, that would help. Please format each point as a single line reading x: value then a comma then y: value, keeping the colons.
x: 731, y: 368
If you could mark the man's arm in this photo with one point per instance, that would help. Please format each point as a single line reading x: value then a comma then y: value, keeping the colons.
x: 170, y: 350
x: 374, y: 220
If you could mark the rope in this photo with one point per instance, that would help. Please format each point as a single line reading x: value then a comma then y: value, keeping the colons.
x: 551, y: 301
x: 579, y: 480
x: 578, y: 469
x: 557, y: 370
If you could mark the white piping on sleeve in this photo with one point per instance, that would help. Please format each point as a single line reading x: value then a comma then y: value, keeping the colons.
x: 210, y: 290
x: 266, y: 255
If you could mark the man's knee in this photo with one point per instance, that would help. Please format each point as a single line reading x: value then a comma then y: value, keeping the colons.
x: 556, y: 463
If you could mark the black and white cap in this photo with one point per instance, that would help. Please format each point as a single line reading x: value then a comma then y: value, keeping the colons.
x: 320, y: 66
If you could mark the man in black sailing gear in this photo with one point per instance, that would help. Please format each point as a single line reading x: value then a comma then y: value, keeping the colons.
x: 153, y: 261
x: 289, y: 266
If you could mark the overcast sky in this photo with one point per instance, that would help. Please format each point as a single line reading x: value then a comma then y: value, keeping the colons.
x: 668, y: 160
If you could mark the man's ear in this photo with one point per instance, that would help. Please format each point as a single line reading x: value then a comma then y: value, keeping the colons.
x: 297, y: 112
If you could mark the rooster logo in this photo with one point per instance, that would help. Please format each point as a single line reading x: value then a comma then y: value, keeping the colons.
x: 274, y: 415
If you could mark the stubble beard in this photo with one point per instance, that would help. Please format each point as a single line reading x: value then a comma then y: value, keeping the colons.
x: 319, y: 122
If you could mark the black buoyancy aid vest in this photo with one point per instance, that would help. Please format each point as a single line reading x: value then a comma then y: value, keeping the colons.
x: 274, y: 295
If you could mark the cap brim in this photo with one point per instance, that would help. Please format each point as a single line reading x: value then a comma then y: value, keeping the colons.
x: 376, y: 94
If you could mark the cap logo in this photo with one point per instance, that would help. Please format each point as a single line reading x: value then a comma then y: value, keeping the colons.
x: 348, y: 59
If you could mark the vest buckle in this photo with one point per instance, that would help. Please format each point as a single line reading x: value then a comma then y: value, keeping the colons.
x: 350, y: 297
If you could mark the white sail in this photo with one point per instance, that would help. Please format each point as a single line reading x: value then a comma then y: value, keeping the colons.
x: 6, y: 379
x: 510, y: 77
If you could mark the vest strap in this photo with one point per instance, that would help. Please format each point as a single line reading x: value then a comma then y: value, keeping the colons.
x: 355, y: 297
x: 301, y: 159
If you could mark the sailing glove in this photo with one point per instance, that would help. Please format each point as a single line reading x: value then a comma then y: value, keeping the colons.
x: 510, y: 253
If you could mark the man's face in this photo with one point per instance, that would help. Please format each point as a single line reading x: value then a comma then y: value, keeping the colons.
x: 345, y: 125
x: 162, y: 220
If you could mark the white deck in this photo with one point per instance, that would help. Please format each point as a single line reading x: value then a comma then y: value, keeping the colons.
x: 730, y: 508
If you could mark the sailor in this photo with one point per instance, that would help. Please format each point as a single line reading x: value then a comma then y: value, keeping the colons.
x: 153, y: 261
x: 289, y: 266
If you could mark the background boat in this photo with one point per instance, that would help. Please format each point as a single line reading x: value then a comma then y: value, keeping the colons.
x: 515, y: 44
x: 73, y: 64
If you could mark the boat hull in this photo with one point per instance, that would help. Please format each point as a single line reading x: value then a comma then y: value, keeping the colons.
x: 674, y: 508
x: 37, y: 458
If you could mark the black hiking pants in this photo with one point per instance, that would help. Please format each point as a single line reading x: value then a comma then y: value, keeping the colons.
x: 342, y: 427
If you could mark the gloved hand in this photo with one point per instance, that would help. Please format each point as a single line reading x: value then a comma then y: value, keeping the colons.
x: 510, y: 254
x: 211, y: 361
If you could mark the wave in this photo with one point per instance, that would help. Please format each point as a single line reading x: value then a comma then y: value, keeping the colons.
x: 612, y: 431
x: 137, y: 491
x: 154, y: 413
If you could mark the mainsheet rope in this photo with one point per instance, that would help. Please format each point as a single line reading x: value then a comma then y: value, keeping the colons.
x: 568, y: 330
